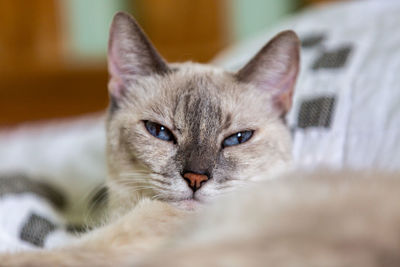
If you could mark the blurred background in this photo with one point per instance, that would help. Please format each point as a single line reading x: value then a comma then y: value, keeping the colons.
x: 53, y: 52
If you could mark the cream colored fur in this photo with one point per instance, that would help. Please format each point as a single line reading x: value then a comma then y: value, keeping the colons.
x: 321, y: 218
x: 201, y: 106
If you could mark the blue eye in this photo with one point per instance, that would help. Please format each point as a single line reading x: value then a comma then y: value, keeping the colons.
x: 159, y: 131
x: 237, y: 138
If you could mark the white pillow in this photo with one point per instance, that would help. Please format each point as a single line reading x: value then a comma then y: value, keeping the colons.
x: 70, y: 155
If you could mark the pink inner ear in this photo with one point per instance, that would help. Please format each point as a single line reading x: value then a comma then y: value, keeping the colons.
x: 116, y: 85
x: 282, y: 89
x: 115, y: 62
x: 283, y: 102
x: 116, y: 88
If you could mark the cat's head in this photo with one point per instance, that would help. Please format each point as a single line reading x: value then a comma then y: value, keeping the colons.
x: 187, y: 131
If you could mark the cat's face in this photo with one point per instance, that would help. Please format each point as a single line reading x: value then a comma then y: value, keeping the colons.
x: 185, y: 132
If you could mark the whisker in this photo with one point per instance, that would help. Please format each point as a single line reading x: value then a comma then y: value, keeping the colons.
x: 148, y: 184
x: 138, y: 179
x: 161, y: 181
x: 156, y: 197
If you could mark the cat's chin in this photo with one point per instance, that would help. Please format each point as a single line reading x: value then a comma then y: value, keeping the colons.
x: 187, y: 204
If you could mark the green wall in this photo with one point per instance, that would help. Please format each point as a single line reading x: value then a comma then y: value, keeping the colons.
x: 251, y: 16
x: 88, y: 21
x: 88, y: 25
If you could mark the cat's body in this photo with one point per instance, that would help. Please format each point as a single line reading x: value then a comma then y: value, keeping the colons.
x: 319, y: 218
x: 180, y: 136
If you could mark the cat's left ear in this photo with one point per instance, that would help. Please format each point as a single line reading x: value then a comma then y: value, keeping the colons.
x: 274, y: 69
x: 130, y: 55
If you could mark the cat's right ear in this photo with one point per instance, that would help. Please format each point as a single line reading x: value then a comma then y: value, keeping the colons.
x: 130, y: 55
x: 274, y: 69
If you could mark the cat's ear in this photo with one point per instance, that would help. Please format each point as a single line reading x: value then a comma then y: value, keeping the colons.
x: 130, y: 55
x: 274, y: 69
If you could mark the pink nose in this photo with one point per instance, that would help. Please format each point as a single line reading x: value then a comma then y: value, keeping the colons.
x: 194, y: 180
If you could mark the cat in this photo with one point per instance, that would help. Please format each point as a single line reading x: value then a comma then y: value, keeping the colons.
x: 179, y: 136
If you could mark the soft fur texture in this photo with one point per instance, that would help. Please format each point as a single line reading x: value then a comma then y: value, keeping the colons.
x: 201, y: 106
x: 301, y: 219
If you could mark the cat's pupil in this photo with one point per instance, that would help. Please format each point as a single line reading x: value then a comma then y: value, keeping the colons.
x: 237, y: 138
x: 159, y: 131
